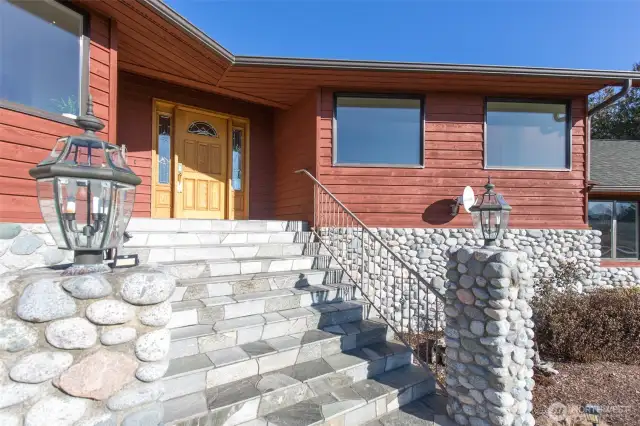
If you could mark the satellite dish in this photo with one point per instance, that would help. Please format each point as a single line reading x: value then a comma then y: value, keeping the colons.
x: 468, y: 198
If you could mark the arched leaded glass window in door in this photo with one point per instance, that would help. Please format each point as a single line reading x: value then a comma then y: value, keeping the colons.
x: 202, y: 128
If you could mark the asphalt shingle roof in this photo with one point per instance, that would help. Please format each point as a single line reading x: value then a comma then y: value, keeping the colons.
x: 615, y: 163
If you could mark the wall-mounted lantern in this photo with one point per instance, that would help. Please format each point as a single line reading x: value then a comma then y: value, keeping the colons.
x: 490, y: 215
x: 86, y: 193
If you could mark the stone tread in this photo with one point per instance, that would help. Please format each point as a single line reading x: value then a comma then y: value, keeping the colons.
x: 430, y: 410
x: 191, y: 263
x: 332, y: 340
x: 317, y: 295
x: 359, y: 402
x: 268, y: 393
x: 247, y: 277
x: 253, y: 320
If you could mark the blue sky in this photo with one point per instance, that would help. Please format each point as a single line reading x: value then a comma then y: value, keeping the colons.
x: 603, y: 34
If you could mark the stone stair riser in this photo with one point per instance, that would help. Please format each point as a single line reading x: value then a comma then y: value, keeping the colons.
x: 169, y: 239
x: 245, y: 266
x: 201, y: 312
x: 203, y: 225
x: 200, y: 289
x: 225, y: 338
x: 214, y: 252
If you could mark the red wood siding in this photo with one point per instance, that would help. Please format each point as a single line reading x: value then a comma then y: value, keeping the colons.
x: 25, y: 140
x: 454, y: 134
x: 135, y: 109
x: 295, y: 146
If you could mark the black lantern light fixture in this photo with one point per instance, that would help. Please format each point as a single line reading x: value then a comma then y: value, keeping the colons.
x: 490, y: 215
x: 86, y: 193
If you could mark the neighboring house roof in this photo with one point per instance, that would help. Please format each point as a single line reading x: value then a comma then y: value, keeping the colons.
x: 615, y: 165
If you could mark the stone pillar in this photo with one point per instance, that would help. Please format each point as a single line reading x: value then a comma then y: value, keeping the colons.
x: 488, y: 337
x: 85, y: 350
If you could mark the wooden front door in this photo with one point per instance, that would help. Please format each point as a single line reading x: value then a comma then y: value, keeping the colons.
x: 201, y: 170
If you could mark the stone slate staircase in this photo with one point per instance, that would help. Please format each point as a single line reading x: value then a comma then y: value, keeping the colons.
x: 266, y: 331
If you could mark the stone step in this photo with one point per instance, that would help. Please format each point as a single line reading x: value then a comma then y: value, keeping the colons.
x: 196, y: 238
x: 279, y: 352
x: 194, y: 339
x: 430, y: 410
x: 213, y: 309
x: 177, y: 253
x: 137, y: 224
x: 198, y: 288
x: 224, y: 267
x: 233, y: 401
x: 358, y: 403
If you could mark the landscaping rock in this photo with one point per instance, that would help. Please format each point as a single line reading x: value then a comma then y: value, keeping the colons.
x: 26, y: 244
x: 9, y: 231
x: 98, y: 376
x: 149, y: 416
x: 146, y: 287
x: 44, y: 301
x: 41, y: 366
x: 104, y: 418
x: 13, y: 393
x: 56, y: 411
x: 72, y: 333
x: 153, y: 346
x: 135, y: 395
x: 157, y: 315
x: 150, y: 371
x: 116, y: 336
x: 110, y: 312
x: 16, y: 336
x: 92, y: 286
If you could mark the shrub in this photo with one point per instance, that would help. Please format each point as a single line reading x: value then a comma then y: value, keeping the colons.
x: 600, y: 326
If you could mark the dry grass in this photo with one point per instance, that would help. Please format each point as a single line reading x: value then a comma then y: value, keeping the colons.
x: 612, y: 386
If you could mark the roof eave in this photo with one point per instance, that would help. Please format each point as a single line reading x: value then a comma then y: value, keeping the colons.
x: 174, y: 17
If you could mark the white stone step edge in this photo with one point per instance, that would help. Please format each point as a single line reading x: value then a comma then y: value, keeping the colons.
x: 149, y: 224
x: 177, y: 253
x: 162, y: 239
x: 217, y: 268
x: 199, y: 288
x: 189, y: 312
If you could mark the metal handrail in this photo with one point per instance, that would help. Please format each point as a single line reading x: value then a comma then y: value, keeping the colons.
x: 416, y: 275
x: 374, y: 236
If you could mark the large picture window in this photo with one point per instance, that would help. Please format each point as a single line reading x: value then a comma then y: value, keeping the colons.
x: 41, y: 56
x: 378, y: 131
x: 618, y: 222
x: 527, y: 135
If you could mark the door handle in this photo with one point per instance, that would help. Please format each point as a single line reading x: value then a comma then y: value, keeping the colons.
x: 179, y: 183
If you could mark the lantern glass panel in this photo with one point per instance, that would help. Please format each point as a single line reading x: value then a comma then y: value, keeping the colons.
x: 47, y: 201
x: 86, y: 152
x: 122, y: 208
x: 85, y: 205
x: 56, y: 151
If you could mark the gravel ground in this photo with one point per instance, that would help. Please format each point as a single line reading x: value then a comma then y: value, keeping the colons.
x: 614, y: 387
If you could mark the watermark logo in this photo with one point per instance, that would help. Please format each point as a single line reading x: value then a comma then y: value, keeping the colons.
x: 558, y: 412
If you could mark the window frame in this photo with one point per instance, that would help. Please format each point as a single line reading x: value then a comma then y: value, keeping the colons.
x: 85, y: 43
x: 568, y: 133
x: 614, y: 229
x: 334, y: 131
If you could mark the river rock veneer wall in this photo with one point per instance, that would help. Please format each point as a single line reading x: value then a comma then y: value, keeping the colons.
x: 83, y: 351
x: 429, y: 250
x: 489, y: 338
